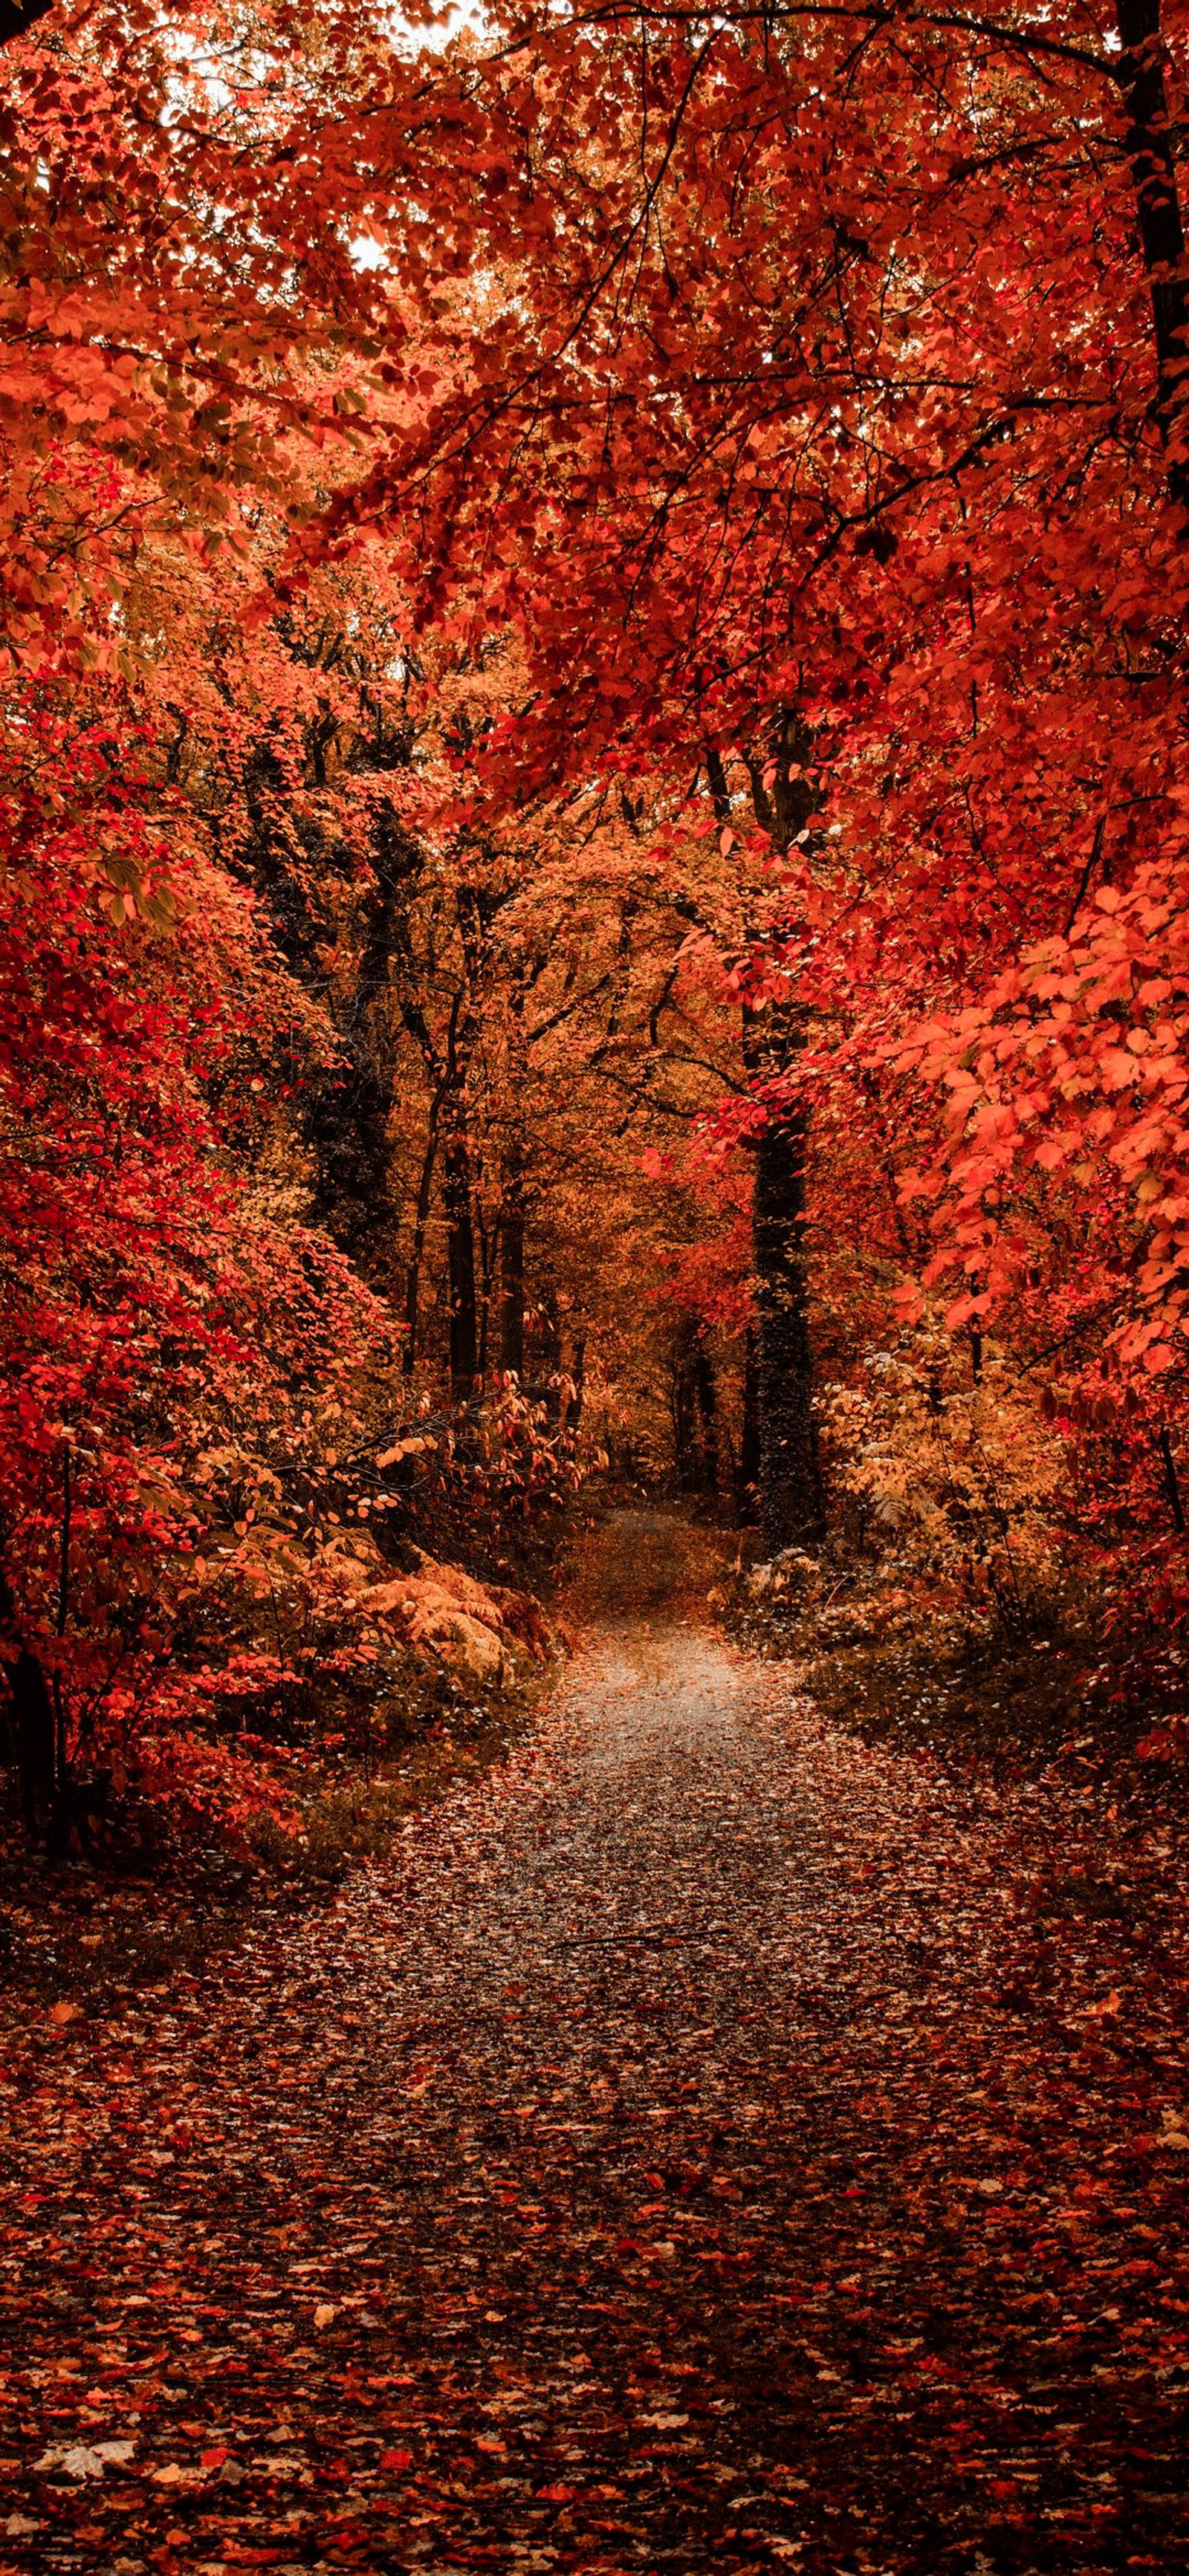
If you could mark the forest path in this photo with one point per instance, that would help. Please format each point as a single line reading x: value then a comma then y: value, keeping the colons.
x: 679, y: 2157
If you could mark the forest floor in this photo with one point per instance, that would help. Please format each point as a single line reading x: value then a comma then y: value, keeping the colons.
x: 73, y: 1930
x: 708, y: 2140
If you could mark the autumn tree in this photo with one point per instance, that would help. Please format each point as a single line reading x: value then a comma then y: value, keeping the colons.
x: 840, y: 363
x: 592, y: 607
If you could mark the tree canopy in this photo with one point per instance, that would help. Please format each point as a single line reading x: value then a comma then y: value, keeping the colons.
x: 593, y: 778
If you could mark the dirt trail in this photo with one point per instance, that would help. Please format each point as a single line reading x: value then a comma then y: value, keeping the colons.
x: 678, y: 2159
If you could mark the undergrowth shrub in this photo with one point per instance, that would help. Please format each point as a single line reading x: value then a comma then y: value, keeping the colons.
x: 957, y: 1494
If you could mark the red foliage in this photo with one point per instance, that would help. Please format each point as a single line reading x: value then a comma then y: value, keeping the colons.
x: 800, y: 418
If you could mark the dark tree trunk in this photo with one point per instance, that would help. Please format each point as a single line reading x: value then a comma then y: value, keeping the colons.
x: 790, y: 1482
x: 417, y: 1253
x: 682, y: 1405
x: 551, y: 1357
x: 707, y: 1396
x: 460, y: 1254
x: 350, y: 1119
x: 1171, y: 1480
x: 748, y: 1492
x: 512, y: 1226
x: 35, y: 1733
x: 32, y: 1722
x: 1161, y: 232
x: 578, y: 1374
x: 347, y: 1110
x: 448, y: 1076
x: 695, y: 1416
x: 488, y: 1251
x: 348, y: 1128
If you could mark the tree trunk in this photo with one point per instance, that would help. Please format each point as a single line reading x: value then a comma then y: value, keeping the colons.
x: 790, y: 1481
x: 420, y: 1226
x: 694, y: 1405
x: 488, y: 1255
x: 682, y: 1409
x: 707, y: 1395
x: 578, y: 1374
x: 460, y: 1242
x: 790, y: 1493
x: 350, y: 1116
x: 1162, y: 235
x: 33, y: 1727
x: 36, y: 1733
x: 512, y: 1262
x: 551, y: 1358
x: 748, y: 1488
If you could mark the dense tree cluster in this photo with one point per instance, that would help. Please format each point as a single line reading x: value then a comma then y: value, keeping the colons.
x: 596, y: 838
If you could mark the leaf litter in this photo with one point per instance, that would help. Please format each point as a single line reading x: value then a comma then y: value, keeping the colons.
x: 704, y: 2142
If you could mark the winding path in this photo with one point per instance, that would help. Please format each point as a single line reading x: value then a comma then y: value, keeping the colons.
x: 677, y: 2158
